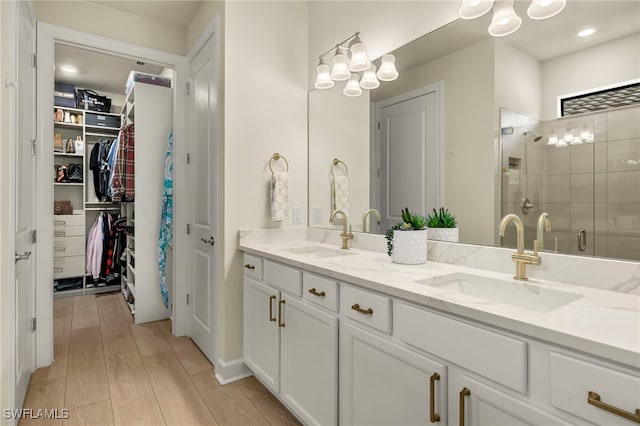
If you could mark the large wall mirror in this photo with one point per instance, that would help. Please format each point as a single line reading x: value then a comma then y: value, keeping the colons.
x: 476, y: 114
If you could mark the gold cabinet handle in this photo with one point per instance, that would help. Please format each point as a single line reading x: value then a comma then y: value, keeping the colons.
x: 357, y: 308
x: 248, y: 265
x: 280, y: 323
x: 271, y: 317
x: 435, y: 417
x: 463, y: 393
x: 316, y: 292
x: 594, y: 399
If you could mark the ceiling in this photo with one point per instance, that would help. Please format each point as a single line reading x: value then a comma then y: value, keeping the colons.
x: 178, y: 13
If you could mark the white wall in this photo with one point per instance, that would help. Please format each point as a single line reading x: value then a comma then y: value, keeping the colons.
x: 265, y: 112
x: 96, y: 18
x: 603, y: 65
x: 338, y: 128
x: 203, y: 18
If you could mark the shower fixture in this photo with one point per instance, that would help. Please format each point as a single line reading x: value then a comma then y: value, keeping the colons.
x: 536, y: 137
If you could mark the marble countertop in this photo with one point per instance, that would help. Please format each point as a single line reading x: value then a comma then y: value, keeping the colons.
x: 599, y: 322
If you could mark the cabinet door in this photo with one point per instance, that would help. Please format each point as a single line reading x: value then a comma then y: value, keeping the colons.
x: 382, y: 383
x: 309, y: 362
x: 481, y: 404
x: 261, y: 332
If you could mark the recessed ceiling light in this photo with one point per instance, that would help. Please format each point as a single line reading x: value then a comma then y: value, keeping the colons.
x: 586, y: 32
x: 70, y: 69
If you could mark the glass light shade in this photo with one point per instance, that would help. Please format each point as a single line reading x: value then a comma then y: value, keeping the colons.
x: 353, y: 87
x: 340, y: 71
x: 323, y: 79
x: 359, y: 59
x: 561, y: 143
x: 471, y: 9
x: 585, y: 134
x: 505, y: 21
x: 568, y: 136
x: 387, y: 71
x: 543, y: 9
x: 553, y: 139
x: 369, y: 80
x: 576, y: 140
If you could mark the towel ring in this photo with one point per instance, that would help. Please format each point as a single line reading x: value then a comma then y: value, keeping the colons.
x: 277, y: 157
x: 335, y: 163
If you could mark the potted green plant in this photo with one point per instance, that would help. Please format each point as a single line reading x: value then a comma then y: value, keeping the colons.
x: 442, y: 226
x: 407, y: 241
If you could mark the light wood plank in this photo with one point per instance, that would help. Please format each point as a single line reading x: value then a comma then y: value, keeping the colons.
x: 149, y: 339
x: 98, y: 414
x: 180, y: 402
x: 204, y: 381
x: 61, y: 335
x: 85, y: 312
x: 132, y: 397
x: 190, y: 356
x: 231, y: 407
x: 87, y: 378
x: 274, y: 411
x: 48, y: 394
x: 62, y: 307
x: 251, y: 387
x: 113, y: 323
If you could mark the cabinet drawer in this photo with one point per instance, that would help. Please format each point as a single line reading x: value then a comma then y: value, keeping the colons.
x: 492, y: 355
x: 283, y: 277
x: 253, y: 266
x: 572, y: 379
x: 366, y: 307
x: 68, y: 246
x: 62, y: 230
x: 319, y: 290
x: 69, y: 266
x: 62, y: 220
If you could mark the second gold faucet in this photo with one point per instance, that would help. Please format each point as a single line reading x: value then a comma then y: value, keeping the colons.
x: 346, y: 235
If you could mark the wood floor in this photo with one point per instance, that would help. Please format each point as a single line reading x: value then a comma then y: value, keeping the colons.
x: 109, y: 371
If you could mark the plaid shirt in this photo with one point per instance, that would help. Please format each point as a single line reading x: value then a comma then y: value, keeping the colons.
x: 124, y: 170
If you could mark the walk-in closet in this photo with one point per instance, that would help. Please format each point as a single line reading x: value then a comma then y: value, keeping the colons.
x: 112, y: 179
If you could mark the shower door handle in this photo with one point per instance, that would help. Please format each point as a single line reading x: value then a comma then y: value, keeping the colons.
x: 582, y: 240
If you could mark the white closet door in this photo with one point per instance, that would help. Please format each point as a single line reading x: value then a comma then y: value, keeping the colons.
x: 202, y: 146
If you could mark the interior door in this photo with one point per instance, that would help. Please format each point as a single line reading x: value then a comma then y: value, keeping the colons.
x: 410, y: 171
x: 202, y: 169
x: 25, y: 192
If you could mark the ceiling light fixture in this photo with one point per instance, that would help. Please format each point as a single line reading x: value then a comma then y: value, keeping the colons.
x: 69, y: 69
x: 586, y: 32
x: 351, y: 62
x: 505, y: 20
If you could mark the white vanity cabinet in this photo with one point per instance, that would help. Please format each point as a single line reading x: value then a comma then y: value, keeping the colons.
x: 290, y: 344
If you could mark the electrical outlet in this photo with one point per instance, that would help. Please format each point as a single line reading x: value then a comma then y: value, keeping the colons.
x: 297, y: 215
x: 317, y: 215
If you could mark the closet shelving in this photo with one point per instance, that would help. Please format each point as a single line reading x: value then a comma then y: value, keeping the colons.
x: 70, y: 231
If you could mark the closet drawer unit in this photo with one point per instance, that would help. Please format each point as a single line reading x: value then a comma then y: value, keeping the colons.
x: 366, y: 307
x: 253, y: 266
x: 319, y: 290
x: 500, y: 358
x: 592, y: 392
x: 68, y: 246
x: 68, y: 225
x: 283, y: 277
x: 69, y: 266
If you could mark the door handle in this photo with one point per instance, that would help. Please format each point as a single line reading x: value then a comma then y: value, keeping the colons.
x: 594, y: 399
x: 357, y: 308
x: 316, y: 292
x: 582, y: 239
x: 434, y: 417
x: 23, y: 256
x: 271, y: 317
x: 528, y: 206
x: 463, y: 394
x: 280, y: 322
x: 211, y: 240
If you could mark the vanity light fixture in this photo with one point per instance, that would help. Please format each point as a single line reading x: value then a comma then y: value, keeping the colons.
x: 586, y: 32
x: 553, y: 139
x: 505, y: 20
x: 576, y: 139
x: 351, y: 63
x: 561, y: 143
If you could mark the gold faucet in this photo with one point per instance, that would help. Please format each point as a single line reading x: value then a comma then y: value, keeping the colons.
x: 520, y: 257
x: 346, y: 236
x: 544, y: 224
x: 364, y: 218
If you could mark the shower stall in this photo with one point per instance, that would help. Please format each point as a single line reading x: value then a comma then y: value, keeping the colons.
x: 584, y: 171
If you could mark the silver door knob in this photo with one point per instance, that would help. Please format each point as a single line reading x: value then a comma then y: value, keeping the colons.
x: 528, y: 206
x: 211, y: 240
x: 23, y: 256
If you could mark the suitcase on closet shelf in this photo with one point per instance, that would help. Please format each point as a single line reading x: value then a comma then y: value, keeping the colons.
x: 91, y: 100
x: 64, y: 95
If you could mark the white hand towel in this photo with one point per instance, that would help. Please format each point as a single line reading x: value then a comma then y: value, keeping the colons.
x: 279, y: 196
x: 341, y: 194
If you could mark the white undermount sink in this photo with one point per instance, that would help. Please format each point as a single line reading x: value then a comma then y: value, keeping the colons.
x: 518, y: 294
x: 318, y: 252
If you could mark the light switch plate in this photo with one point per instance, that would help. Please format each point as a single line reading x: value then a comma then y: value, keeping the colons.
x: 297, y: 215
x: 317, y: 215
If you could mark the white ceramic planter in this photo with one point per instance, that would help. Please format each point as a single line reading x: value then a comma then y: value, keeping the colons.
x: 409, y: 247
x: 443, y: 234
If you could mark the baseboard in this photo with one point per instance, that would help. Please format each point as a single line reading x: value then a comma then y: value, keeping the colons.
x: 227, y: 372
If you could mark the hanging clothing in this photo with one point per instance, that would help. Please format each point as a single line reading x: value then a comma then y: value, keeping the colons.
x: 101, y: 170
x: 124, y: 173
x: 94, y: 248
x: 165, y: 238
x: 111, y: 162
